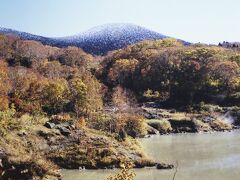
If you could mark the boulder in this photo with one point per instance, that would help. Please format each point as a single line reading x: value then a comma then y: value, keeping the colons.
x: 64, y: 131
x: 172, y: 111
x: 49, y: 125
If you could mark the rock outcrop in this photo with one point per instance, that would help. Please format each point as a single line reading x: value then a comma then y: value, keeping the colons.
x: 41, y: 151
x: 211, y: 118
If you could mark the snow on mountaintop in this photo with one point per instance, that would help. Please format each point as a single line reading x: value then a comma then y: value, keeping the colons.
x: 113, y: 29
x: 97, y: 40
x: 102, y: 39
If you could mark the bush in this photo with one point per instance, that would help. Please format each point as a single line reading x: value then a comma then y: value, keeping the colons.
x: 210, y: 108
x: 81, y: 122
x: 201, y: 126
x: 125, y: 174
x: 134, y: 125
x: 4, y: 103
x: 61, y: 117
x: 220, y: 125
x: 151, y: 95
x: 7, y: 121
x: 103, y: 122
x: 162, y: 126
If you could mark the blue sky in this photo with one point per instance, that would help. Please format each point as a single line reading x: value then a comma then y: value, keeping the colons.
x: 207, y: 21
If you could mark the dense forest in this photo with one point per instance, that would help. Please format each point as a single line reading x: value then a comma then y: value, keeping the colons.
x: 44, y: 85
x: 169, y: 71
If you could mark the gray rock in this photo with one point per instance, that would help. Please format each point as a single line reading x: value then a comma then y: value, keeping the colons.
x: 49, y: 125
x: 64, y: 131
x: 151, y: 115
x: 173, y: 111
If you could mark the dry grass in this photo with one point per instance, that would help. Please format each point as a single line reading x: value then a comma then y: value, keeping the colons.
x: 180, y: 116
x: 163, y: 126
x: 220, y: 125
x: 24, y: 157
x: 201, y: 126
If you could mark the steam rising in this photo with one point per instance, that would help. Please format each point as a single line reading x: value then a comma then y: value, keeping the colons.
x: 228, y: 118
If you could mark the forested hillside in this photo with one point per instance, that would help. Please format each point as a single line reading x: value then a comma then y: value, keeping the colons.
x: 86, y: 110
x: 168, y: 70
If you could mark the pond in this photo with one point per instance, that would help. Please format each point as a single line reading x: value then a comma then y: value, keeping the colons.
x: 199, y: 156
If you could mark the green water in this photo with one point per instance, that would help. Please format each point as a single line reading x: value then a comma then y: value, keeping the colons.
x: 199, y: 156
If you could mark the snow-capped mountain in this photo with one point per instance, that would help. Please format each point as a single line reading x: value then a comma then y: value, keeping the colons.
x: 98, y: 40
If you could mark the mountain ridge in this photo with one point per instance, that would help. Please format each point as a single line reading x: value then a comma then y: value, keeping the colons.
x: 97, y: 40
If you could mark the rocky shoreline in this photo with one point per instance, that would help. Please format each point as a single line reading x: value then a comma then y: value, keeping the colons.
x: 42, y: 150
x: 213, y: 118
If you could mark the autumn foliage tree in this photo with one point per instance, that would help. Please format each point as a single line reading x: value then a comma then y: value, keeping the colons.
x: 4, y: 86
x: 55, y: 95
x: 78, y: 91
x: 178, y: 73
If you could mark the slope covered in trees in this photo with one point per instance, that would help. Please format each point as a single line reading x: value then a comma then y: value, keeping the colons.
x: 50, y: 93
x: 85, y: 110
x: 171, y: 71
x: 45, y: 78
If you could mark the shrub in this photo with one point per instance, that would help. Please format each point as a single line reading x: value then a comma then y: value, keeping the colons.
x: 162, y: 126
x: 62, y: 117
x: 151, y: 95
x: 103, y: 122
x: 80, y: 122
x: 125, y: 174
x: 134, y: 125
x: 210, y: 108
x: 4, y: 103
x: 7, y: 121
x: 201, y: 126
x: 220, y: 125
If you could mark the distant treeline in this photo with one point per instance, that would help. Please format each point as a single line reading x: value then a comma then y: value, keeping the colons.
x: 229, y: 44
